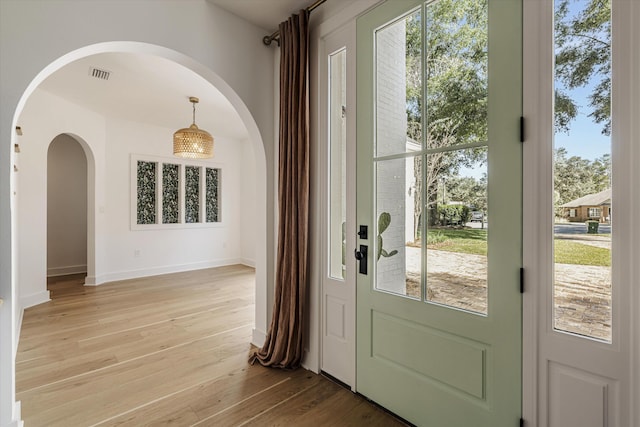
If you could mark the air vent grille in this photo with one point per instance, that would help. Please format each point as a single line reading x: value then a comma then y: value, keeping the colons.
x: 99, y: 74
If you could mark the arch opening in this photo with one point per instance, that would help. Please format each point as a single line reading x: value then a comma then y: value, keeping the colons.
x: 97, y: 207
x: 69, y: 169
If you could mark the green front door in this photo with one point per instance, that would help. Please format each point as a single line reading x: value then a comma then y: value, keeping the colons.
x: 439, y: 310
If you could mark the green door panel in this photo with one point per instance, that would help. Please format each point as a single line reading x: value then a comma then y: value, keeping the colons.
x: 432, y: 361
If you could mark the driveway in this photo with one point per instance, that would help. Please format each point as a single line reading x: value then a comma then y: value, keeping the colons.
x: 578, y: 233
x: 579, y: 228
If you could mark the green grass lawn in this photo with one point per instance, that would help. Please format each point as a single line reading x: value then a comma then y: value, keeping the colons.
x: 465, y: 240
x: 474, y: 241
x: 568, y: 252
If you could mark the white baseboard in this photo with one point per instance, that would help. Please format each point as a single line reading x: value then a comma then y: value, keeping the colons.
x: 34, y: 299
x: 248, y: 262
x: 16, y: 420
x: 91, y: 281
x: 165, y: 269
x: 310, y: 363
x: 66, y: 270
x: 18, y: 331
x: 258, y: 337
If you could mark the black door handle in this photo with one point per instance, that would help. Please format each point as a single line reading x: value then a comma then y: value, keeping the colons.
x: 361, y: 256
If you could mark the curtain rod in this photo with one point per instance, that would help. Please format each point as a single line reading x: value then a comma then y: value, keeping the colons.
x: 276, y: 35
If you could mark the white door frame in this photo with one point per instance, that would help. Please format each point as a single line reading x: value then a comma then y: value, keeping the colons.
x: 338, y: 362
x: 612, y: 366
x: 342, y: 20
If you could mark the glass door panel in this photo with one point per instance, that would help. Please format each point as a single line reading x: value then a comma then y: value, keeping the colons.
x: 582, y: 169
x: 457, y: 231
x: 397, y: 256
x: 456, y: 60
x: 398, y: 86
x: 435, y: 178
x: 337, y: 202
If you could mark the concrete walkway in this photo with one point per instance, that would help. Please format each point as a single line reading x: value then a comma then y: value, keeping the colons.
x: 582, y: 293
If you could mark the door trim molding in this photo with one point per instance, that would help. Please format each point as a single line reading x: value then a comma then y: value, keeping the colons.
x: 326, y: 25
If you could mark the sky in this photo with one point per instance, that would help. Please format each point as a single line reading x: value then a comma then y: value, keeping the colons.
x: 585, y: 137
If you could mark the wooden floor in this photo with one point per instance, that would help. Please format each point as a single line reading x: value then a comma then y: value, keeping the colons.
x: 165, y: 350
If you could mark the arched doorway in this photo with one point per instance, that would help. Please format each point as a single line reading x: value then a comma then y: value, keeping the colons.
x: 67, y: 219
x: 254, y: 141
x: 93, y: 141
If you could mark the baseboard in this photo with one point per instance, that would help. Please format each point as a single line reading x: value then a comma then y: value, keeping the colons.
x: 91, y: 281
x: 310, y: 363
x: 17, y: 416
x: 18, y: 331
x: 34, y: 299
x: 258, y: 338
x: 166, y: 269
x: 65, y: 271
x: 248, y: 262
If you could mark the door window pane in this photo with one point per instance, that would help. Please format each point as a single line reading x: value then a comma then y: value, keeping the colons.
x: 582, y: 168
x: 456, y: 70
x: 430, y: 160
x: 398, y: 85
x: 337, y: 164
x: 457, y: 229
x: 397, y: 257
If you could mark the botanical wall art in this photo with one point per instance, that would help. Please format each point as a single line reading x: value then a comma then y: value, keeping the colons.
x: 213, y: 203
x: 174, y: 193
x: 170, y: 193
x: 192, y: 194
x: 146, y: 206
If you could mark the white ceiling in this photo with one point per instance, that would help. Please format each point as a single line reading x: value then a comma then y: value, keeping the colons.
x: 147, y: 89
x: 265, y: 14
x: 154, y: 90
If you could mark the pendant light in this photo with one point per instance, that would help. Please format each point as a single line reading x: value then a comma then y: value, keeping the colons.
x: 191, y: 142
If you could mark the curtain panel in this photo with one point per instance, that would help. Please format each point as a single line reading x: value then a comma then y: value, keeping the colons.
x: 284, y: 344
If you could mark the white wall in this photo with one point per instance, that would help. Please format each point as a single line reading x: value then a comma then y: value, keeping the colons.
x: 148, y: 252
x: 248, y: 213
x: 45, y: 117
x: 41, y: 36
x: 66, y: 207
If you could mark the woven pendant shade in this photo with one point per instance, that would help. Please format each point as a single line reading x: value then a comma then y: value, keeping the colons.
x: 192, y: 142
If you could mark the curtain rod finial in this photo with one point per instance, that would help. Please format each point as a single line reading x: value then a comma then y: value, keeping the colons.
x: 268, y: 39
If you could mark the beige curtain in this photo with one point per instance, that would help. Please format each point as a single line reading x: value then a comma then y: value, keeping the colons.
x: 283, y: 347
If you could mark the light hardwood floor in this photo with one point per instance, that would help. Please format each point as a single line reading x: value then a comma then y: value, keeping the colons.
x: 165, y: 350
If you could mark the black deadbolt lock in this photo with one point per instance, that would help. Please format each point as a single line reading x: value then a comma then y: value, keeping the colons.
x: 363, y: 233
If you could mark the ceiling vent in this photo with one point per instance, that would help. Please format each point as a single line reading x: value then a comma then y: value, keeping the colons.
x: 99, y: 74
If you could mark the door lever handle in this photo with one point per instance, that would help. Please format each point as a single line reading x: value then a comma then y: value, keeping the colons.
x: 361, y: 256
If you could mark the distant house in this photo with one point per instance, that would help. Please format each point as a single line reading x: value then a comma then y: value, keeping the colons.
x: 590, y: 207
